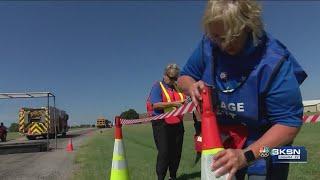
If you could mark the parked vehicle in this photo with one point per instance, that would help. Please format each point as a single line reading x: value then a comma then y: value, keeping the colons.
x: 103, y: 123
x: 37, y: 122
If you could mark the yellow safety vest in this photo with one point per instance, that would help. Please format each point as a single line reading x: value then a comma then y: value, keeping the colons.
x: 168, y: 98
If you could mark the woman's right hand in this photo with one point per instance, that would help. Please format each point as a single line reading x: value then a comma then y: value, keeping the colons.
x: 195, y: 91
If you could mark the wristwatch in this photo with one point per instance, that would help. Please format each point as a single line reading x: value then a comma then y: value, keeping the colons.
x: 249, y: 155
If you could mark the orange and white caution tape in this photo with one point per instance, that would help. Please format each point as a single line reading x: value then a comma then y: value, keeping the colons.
x: 186, y: 108
x: 189, y: 108
x: 311, y: 119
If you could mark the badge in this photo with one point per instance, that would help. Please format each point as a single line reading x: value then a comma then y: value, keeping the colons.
x: 223, y: 76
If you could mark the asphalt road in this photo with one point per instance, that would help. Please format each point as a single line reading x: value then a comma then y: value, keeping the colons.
x: 52, y: 165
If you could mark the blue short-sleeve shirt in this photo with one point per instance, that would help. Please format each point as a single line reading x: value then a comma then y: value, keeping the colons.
x: 283, y: 99
x: 156, y: 96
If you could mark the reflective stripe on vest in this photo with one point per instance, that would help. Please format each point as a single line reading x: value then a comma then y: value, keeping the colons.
x: 168, y: 98
x: 164, y: 90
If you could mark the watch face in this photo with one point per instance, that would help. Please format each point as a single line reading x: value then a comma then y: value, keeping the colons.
x: 249, y: 156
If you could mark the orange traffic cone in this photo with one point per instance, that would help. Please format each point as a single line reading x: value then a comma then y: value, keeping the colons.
x: 69, y: 146
x: 119, y: 169
x: 211, y: 141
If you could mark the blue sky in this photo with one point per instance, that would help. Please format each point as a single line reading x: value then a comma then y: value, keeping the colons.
x: 101, y: 58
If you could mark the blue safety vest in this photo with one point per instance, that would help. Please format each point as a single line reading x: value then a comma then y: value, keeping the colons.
x: 245, y: 104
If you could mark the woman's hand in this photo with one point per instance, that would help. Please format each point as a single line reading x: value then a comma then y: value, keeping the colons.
x: 228, y: 161
x: 195, y: 91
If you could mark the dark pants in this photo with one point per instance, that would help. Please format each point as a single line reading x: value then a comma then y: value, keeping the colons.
x: 168, y: 139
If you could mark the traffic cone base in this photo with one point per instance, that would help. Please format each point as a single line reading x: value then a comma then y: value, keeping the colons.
x: 119, y: 174
x: 70, y: 146
x: 119, y: 169
x: 206, y: 161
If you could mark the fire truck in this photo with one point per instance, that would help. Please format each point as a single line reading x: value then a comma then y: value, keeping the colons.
x: 42, y: 122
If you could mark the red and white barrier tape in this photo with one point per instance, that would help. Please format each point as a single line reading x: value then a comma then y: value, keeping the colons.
x: 186, y: 108
x: 311, y: 119
x: 189, y: 108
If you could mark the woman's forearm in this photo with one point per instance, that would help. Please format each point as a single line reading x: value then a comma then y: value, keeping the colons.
x: 163, y: 105
x: 184, y: 83
x: 277, y: 135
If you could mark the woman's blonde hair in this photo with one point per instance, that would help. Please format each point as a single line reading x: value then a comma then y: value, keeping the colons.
x: 236, y: 15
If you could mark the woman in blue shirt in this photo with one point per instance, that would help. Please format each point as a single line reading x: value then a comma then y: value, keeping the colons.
x: 257, y: 83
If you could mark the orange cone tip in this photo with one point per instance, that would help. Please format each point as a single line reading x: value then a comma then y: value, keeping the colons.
x: 118, y: 130
x: 209, y: 128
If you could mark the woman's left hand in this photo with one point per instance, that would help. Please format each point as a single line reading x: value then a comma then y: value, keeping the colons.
x: 228, y: 161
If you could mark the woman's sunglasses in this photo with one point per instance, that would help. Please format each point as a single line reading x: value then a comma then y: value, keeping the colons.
x: 173, y: 78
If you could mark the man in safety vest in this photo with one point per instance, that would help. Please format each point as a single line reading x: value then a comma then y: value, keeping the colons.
x: 168, y: 133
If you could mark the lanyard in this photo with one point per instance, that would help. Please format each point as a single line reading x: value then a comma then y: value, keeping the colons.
x: 213, y: 70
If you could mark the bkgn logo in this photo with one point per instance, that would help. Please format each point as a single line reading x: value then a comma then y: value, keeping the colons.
x: 286, y: 154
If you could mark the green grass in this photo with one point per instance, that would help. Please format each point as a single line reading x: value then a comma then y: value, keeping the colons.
x: 308, y: 137
x: 95, y: 156
x: 12, y: 135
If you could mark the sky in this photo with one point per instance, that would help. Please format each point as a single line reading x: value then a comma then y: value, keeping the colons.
x: 101, y: 58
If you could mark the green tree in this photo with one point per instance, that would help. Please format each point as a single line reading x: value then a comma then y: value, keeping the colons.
x: 130, y: 114
x: 14, y: 127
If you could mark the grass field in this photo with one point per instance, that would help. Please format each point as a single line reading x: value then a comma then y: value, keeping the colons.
x: 94, y: 157
x: 12, y: 135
